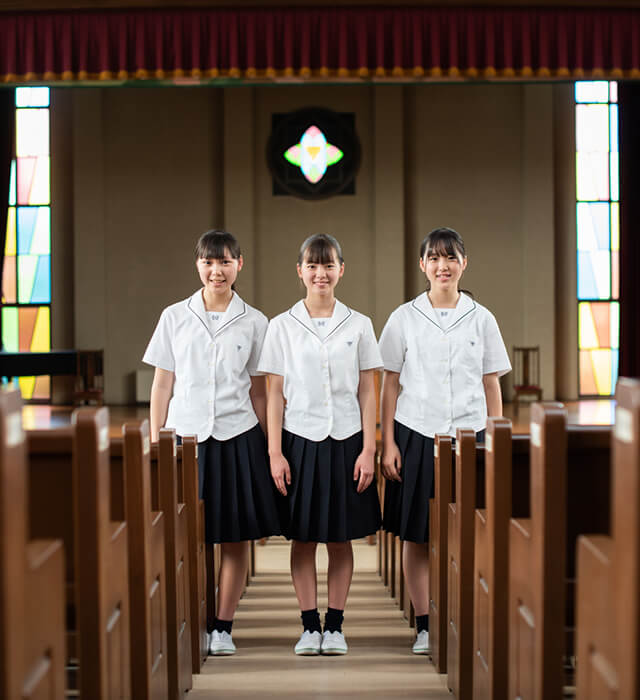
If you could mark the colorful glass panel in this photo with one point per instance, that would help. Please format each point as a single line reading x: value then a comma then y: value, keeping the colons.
x: 10, y: 328
x: 32, y: 132
x: 592, y: 91
x: 32, y: 97
x: 12, y: 184
x: 9, y: 280
x: 598, y: 235
x: 27, y: 267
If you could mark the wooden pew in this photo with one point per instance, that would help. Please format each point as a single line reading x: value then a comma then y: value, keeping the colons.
x: 188, y: 453
x: 147, y: 571
x: 188, y: 465
x: 466, y: 496
x: 608, y: 585
x: 69, y: 498
x: 507, y: 495
x: 32, y: 584
x: 569, y: 494
x: 438, y: 551
x: 171, y: 502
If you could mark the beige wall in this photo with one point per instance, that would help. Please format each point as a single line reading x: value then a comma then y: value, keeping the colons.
x: 147, y: 170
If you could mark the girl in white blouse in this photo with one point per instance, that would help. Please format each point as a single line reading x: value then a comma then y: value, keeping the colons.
x: 443, y: 354
x: 320, y: 356
x: 205, y: 350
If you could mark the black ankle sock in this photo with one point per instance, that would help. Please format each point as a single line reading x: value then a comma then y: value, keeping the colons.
x: 422, y: 623
x: 311, y: 620
x: 222, y: 625
x: 333, y: 620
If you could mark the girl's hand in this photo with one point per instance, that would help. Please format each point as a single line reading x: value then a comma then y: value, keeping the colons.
x: 280, y: 473
x: 363, y: 471
x: 391, y: 462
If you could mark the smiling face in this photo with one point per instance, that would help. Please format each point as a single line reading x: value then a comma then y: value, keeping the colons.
x: 443, y: 269
x: 218, y: 274
x: 321, y: 278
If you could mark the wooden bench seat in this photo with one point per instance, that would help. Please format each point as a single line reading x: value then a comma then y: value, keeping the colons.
x: 570, y: 494
x: 69, y: 498
x: 191, y: 510
x: 467, y: 494
x: 32, y: 579
x: 147, y: 570
x: 507, y: 495
x: 608, y: 578
x: 438, y: 551
x: 172, y: 497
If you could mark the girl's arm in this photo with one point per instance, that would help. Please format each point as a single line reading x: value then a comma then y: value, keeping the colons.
x: 258, y: 396
x: 493, y: 394
x: 161, y: 391
x: 364, y: 467
x: 280, y: 471
x: 391, y: 461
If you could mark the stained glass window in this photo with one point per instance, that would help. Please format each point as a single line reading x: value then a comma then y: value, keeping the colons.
x: 26, y: 278
x: 598, y: 236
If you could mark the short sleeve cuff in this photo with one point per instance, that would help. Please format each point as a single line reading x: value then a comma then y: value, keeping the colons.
x: 393, y: 367
x: 267, y: 369
x: 160, y: 364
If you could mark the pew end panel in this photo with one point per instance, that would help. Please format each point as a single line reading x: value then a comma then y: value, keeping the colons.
x: 626, y: 533
x: 147, y: 574
x: 491, y: 573
x: 176, y: 564
x: 197, y: 556
x: 538, y: 564
x: 438, y: 551
x: 465, y: 499
x: 32, y: 578
x: 597, y: 676
x: 101, y: 563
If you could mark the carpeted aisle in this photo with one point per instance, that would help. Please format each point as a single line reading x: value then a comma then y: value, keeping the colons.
x: 379, y: 663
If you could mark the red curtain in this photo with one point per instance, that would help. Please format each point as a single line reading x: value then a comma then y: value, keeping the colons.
x: 401, y: 42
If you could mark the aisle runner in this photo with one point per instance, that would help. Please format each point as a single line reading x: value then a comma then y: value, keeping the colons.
x: 379, y: 663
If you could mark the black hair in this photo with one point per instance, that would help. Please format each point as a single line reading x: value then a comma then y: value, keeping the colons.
x: 217, y: 244
x: 444, y: 241
x: 320, y: 249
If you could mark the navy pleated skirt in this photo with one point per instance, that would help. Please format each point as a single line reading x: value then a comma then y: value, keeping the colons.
x: 237, y: 488
x: 322, y: 503
x: 406, y: 502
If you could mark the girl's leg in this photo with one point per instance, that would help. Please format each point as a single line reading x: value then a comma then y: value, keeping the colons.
x: 415, y: 564
x: 303, y: 573
x: 339, y: 573
x: 233, y: 575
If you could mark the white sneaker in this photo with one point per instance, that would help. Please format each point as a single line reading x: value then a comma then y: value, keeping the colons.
x: 333, y: 644
x: 309, y: 644
x: 221, y: 644
x: 421, y: 645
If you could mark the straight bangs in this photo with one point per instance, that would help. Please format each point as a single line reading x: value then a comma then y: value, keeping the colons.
x: 217, y: 245
x: 443, y: 244
x: 443, y: 241
x: 320, y: 249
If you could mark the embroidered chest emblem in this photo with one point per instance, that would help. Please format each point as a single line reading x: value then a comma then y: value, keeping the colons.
x: 239, y: 347
x: 473, y: 342
x: 349, y: 343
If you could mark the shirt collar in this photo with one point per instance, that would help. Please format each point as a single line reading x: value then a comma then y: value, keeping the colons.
x: 341, y: 313
x: 236, y: 309
x: 423, y: 305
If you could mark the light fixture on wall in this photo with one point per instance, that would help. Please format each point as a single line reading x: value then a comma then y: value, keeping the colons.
x: 313, y: 153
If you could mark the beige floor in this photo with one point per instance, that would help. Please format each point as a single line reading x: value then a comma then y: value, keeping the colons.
x: 379, y: 663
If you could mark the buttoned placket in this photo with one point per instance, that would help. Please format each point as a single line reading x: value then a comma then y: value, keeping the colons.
x: 446, y: 361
